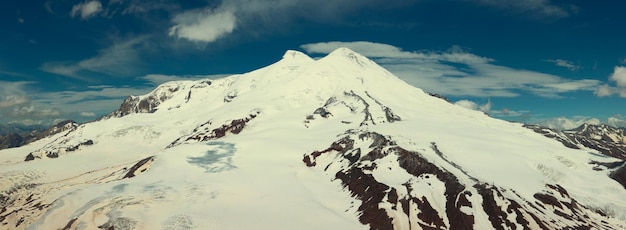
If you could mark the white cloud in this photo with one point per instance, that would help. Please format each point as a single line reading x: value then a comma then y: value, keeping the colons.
x: 257, y: 17
x: 46, y: 107
x: 97, y: 100
x: 456, y: 72
x: 564, y: 123
x: 380, y: 50
x: 203, y: 25
x: 34, y: 111
x: 564, y: 63
x: 467, y: 104
x: 13, y: 94
x: 486, y: 108
x: 604, y: 91
x: 619, y: 77
x: 540, y: 9
x: 13, y: 100
x: 369, y: 49
x: 120, y: 59
x: 27, y: 122
x: 616, y: 121
x: 86, y: 9
x: 87, y: 114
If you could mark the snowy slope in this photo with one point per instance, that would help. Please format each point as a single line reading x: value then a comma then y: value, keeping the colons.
x: 334, y: 143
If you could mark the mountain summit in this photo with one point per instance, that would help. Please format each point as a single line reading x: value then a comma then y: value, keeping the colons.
x: 333, y: 143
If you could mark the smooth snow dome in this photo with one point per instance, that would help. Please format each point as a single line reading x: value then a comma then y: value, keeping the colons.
x: 228, y: 154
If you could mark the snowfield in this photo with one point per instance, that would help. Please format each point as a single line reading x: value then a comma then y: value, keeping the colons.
x: 334, y: 143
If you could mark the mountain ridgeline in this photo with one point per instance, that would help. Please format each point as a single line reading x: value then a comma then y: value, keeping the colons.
x: 16, y: 138
x: 331, y: 143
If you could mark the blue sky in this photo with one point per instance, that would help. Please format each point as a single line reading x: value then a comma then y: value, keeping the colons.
x: 558, y: 63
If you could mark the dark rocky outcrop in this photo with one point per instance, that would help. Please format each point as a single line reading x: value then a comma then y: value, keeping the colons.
x: 54, y: 153
x: 357, y: 104
x: 356, y: 177
x: 607, y: 140
x: 354, y: 167
x: 141, y: 164
x: 206, y: 131
x: 610, y: 141
x: 18, y: 139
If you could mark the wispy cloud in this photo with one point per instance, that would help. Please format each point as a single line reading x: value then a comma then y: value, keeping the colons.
x: 20, y: 105
x: 16, y: 104
x: 13, y: 93
x: 564, y: 123
x: 86, y: 9
x: 157, y: 79
x: 125, y: 7
x: 203, y: 25
x: 87, y: 114
x: 13, y: 100
x: 539, y: 9
x: 564, y: 63
x: 619, y: 78
x: 617, y: 120
x: 210, y: 23
x: 369, y: 49
x: 120, y: 59
x: 456, y: 72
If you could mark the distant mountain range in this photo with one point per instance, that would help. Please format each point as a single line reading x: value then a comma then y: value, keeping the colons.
x: 15, y: 136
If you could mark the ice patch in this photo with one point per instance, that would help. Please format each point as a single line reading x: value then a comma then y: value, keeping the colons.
x: 217, y: 159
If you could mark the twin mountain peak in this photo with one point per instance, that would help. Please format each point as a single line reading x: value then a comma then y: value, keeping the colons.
x: 296, y: 78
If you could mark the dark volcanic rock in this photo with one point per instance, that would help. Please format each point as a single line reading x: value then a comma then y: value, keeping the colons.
x: 206, y: 131
x: 382, y: 204
x: 132, y: 172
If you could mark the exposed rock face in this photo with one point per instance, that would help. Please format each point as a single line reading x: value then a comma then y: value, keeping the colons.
x: 607, y: 140
x: 610, y: 141
x: 139, y: 167
x: 207, y: 131
x: 11, y: 141
x: 18, y: 139
x: 150, y: 103
x: 54, y: 152
x: 360, y: 161
x: 362, y: 104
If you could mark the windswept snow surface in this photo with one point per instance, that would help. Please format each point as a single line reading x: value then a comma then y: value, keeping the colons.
x: 228, y: 154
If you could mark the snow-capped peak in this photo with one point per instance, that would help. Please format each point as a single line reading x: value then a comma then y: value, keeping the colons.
x: 349, y: 55
x: 296, y: 55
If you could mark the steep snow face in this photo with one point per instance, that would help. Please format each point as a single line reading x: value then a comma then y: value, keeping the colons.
x: 255, y: 147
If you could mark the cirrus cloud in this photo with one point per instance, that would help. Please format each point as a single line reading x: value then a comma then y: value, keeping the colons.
x: 565, y: 64
x: 120, y: 59
x: 539, y: 9
x: 456, y: 72
x: 86, y: 9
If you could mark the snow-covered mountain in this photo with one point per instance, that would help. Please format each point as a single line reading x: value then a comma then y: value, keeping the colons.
x: 608, y: 140
x: 334, y: 143
x: 16, y: 138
